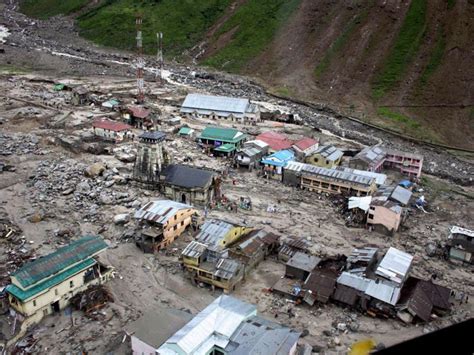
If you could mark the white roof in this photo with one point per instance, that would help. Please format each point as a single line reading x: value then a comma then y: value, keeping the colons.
x: 212, y: 326
x: 395, y: 265
x: 160, y: 211
x: 217, y: 104
x: 256, y: 142
x: 464, y: 231
x: 352, y: 280
x: 379, y: 178
x: 383, y: 292
x: 360, y: 202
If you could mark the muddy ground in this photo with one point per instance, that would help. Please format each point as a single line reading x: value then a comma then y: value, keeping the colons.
x: 48, y: 142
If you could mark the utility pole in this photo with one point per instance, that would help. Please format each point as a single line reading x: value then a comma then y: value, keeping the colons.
x: 159, y: 57
x: 140, y: 62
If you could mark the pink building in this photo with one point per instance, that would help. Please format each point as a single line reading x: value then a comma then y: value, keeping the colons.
x: 407, y: 163
x: 385, y: 214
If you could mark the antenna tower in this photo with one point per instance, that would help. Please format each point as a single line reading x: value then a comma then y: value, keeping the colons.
x: 159, y: 57
x: 140, y: 62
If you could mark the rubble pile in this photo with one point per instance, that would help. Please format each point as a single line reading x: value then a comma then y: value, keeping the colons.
x: 52, y: 179
x: 92, y: 300
x: 19, y: 144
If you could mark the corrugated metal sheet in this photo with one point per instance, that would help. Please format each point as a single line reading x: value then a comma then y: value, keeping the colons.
x: 379, y: 178
x: 334, y: 174
x: 303, y: 261
x: 227, y: 268
x: 222, y: 317
x: 401, y: 195
x: 160, y: 211
x: 395, y: 265
x: 60, y: 260
x: 213, y: 231
x: 354, y: 281
x: 360, y: 202
x: 362, y: 255
x: 383, y: 292
x: 194, y: 250
x: 280, y: 158
x: 463, y: 231
x: 329, y: 152
x: 222, y: 105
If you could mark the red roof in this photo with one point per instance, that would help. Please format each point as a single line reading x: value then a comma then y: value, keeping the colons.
x: 275, y: 140
x: 139, y: 111
x: 111, y: 125
x: 305, y: 143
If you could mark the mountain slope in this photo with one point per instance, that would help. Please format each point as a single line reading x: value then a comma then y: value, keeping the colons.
x: 403, y: 64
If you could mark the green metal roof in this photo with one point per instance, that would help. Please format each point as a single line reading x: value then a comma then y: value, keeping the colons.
x: 184, y: 130
x: 63, y: 258
x: 226, y: 148
x: 228, y: 135
x: 24, y: 295
x: 58, y: 87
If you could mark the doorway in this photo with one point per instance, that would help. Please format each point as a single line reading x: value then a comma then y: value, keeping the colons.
x: 55, y: 307
x: 183, y: 198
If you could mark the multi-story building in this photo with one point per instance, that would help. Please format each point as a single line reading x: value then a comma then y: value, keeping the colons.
x: 46, y: 285
x: 407, y: 163
x: 326, y: 156
x: 161, y: 223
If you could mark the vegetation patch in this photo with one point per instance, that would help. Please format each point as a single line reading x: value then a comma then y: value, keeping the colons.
x: 183, y: 23
x: 406, y: 46
x: 44, y: 9
x: 255, y: 24
x: 339, y: 43
x: 435, y: 58
x: 397, y: 117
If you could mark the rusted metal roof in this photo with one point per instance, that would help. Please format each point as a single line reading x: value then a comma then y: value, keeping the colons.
x: 111, y: 125
x: 139, y: 111
x: 320, y: 284
x: 194, y: 250
x: 160, y: 211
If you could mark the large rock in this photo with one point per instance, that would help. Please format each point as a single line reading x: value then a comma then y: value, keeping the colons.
x: 121, y: 219
x: 125, y: 157
x: 94, y: 170
x: 83, y: 187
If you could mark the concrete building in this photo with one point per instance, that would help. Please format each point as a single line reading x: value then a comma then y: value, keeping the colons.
x: 152, y: 157
x: 273, y: 164
x: 222, y: 140
x: 461, y: 245
x: 380, y: 179
x: 275, y: 141
x: 112, y: 131
x: 407, y: 163
x: 230, y: 326
x: 206, y: 258
x: 326, y: 156
x: 220, y: 107
x: 386, y: 215
x: 46, y: 285
x: 331, y: 181
x: 189, y: 185
x: 139, y: 117
x: 161, y: 223
x: 305, y: 147
x: 395, y: 266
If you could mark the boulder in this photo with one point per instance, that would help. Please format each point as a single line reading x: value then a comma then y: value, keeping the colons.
x: 94, y: 170
x: 121, y: 219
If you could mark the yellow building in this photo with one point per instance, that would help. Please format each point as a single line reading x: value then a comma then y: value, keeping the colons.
x: 204, y: 257
x: 327, y: 156
x: 162, y: 222
x: 46, y: 285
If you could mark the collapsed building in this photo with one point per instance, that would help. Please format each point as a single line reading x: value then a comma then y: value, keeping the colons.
x: 250, y: 154
x: 363, y: 282
x: 46, y: 285
x: 161, y: 222
x: 461, y: 245
x: 220, y: 107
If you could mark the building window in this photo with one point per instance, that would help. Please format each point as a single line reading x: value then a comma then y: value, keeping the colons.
x: 71, y: 284
x: 371, y: 216
x: 182, y: 223
x: 175, y: 227
x: 34, y: 303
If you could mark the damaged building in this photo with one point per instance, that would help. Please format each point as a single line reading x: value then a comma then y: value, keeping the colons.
x: 161, y: 222
x: 250, y: 154
x: 230, y: 326
x: 207, y: 258
x: 461, y: 245
x: 45, y: 286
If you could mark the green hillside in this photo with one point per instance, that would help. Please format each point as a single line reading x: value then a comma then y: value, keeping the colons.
x: 44, y: 9
x: 183, y: 23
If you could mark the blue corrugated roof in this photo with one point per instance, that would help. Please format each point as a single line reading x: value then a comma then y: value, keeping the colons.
x: 279, y: 158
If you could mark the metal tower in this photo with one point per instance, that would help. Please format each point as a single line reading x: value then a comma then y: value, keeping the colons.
x: 159, y: 57
x: 140, y: 63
